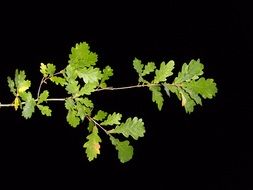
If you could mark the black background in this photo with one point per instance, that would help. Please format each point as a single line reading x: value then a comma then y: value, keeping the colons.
x: 209, y: 149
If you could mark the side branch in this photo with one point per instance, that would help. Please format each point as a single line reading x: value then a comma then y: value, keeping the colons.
x: 127, y: 87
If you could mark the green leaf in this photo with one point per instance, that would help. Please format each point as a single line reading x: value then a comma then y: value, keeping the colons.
x: 190, y: 72
x: 81, y: 56
x: 90, y: 126
x: 43, y: 96
x: 82, y: 110
x: 92, y: 145
x: 72, y: 87
x: 100, y: 116
x: 23, y: 86
x: 85, y: 101
x: 28, y: 109
x: 164, y: 72
x: 47, y: 70
x: 11, y: 85
x: 173, y: 89
x: 58, y: 80
x: 133, y: 127
x: 90, y: 75
x: 88, y: 88
x: 51, y: 69
x: 70, y: 73
x: 149, y: 68
x: 83, y: 106
x: 138, y: 66
x: 112, y: 119
x: 45, y: 110
x: 43, y: 69
x: 193, y: 95
x: 69, y: 104
x: 187, y: 102
x: 72, y: 118
x: 107, y: 73
x: 205, y: 87
x: 125, y: 150
x: 21, y: 83
x: 157, y: 96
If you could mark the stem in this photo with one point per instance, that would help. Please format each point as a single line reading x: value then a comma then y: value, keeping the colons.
x: 97, y: 124
x: 49, y: 100
x: 43, y: 80
x: 97, y: 90
x: 127, y: 87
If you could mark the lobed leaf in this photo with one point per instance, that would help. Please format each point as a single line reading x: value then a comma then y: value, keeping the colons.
x: 138, y: 66
x: 164, y: 72
x: 81, y: 56
x: 157, y: 96
x: 132, y: 127
x: 92, y: 145
x: 43, y: 97
x: 11, y: 85
x: 89, y: 75
x: 100, y: 116
x: 107, y: 73
x: 125, y: 150
x: 45, y: 110
x: 112, y: 119
x: 149, y: 68
x: 205, y: 87
x: 58, y: 80
x: 28, y: 108
x: 192, y: 71
x: 72, y: 118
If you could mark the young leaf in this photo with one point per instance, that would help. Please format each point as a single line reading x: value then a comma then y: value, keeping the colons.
x: 81, y: 56
x: 16, y: 103
x: 125, y: 150
x: 43, y: 96
x: 45, y: 110
x: 88, y: 88
x: 92, y: 145
x: 112, y: 119
x: 90, y: 75
x: 164, y: 72
x: 133, y: 127
x: 23, y: 86
x: 47, y: 70
x: 72, y: 87
x: 157, y: 96
x: 28, y: 109
x: 149, y: 68
x: 100, y: 116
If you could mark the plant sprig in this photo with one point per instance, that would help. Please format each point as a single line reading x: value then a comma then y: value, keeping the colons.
x: 81, y: 77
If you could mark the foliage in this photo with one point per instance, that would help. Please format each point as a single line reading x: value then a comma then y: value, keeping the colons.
x: 82, y: 77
